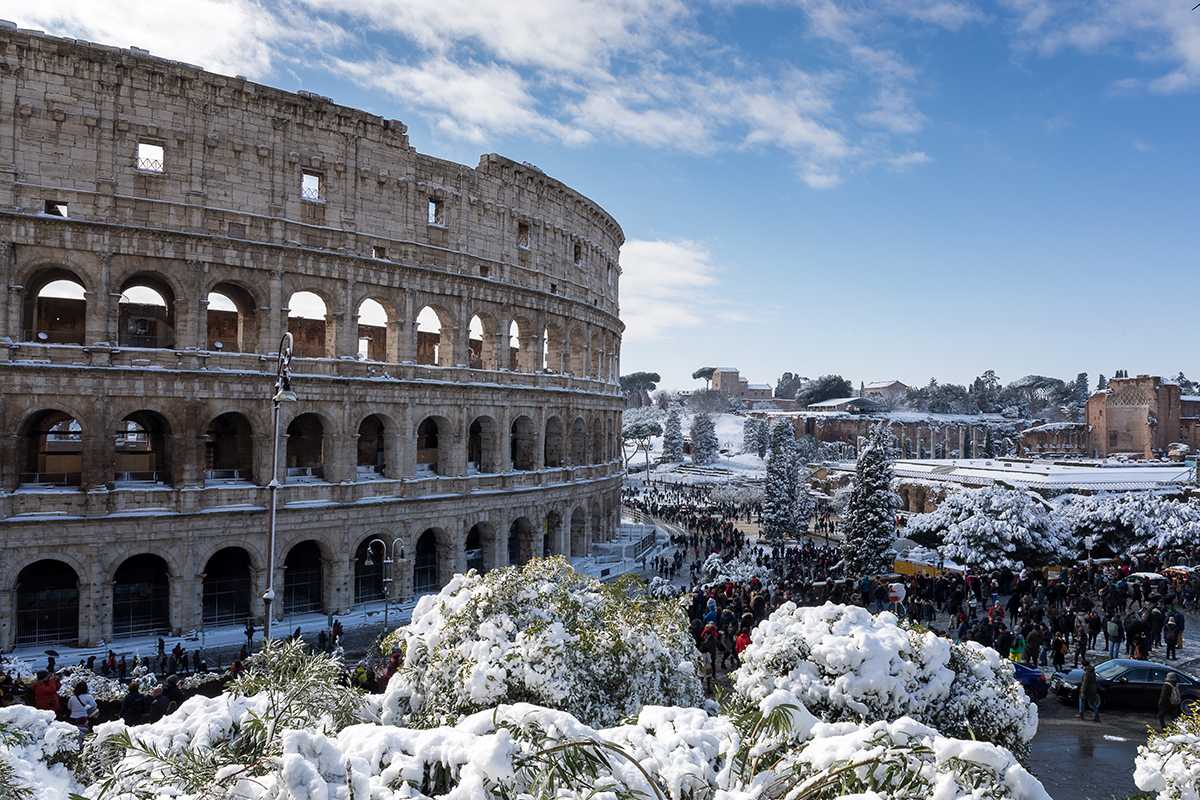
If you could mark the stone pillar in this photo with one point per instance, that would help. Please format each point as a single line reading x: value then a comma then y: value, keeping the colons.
x: 275, y: 315
x: 342, y: 328
x: 339, y: 584
x: 395, y: 339
x: 962, y: 441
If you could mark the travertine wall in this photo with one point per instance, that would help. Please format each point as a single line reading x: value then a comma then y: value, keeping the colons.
x: 225, y: 212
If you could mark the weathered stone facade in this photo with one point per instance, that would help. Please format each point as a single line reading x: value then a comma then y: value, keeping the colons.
x: 158, y: 223
x: 1141, y: 416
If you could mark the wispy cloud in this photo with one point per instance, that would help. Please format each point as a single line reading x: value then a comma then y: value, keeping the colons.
x: 667, y: 286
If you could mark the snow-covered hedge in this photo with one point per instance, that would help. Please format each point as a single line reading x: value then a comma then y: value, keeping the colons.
x: 846, y: 664
x: 1133, y: 521
x: 545, y: 634
x: 33, y: 748
x: 994, y: 527
x: 1168, y: 764
x: 740, y: 568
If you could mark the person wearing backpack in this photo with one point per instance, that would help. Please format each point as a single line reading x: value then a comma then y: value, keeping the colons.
x: 1169, y: 701
x: 1116, y: 635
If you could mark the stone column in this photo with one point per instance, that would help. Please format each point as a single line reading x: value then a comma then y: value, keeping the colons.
x: 275, y: 315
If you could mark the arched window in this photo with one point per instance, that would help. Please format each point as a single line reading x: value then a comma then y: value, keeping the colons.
x: 47, y: 595
x: 520, y: 542
x: 146, y: 314
x: 429, y: 338
x: 141, y: 602
x: 550, y: 539
x: 231, y: 319
x: 481, y: 446
x: 226, y: 589
x: 140, y: 449
x: 477, y: 344
x: 428, y: 450
x: 513, y: 361
x: 305, y: 449
x: 307, y: 322
x: 372, y: 331
x: 425, y: 563
x: 480, y: 545
x: 53, y: 450
x: 369, y: 568
x: 372, y: 460
x: 303, y: 579
x: 523, y: 440
x: 553, y: 446
x: 228, y: 450
x: 55, y: 309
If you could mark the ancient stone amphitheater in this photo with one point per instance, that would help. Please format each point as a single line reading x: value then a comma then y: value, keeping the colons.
x: 161, y: 227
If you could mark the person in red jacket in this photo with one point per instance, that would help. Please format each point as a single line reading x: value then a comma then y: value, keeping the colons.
x: 741, y: 642
x: 45, y: 692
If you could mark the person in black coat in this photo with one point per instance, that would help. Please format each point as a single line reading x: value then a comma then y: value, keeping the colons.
x: 133, y: 707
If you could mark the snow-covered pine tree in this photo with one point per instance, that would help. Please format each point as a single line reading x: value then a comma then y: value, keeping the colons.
x: 989, y: 444
x: 764, y: 438
x: 871, y: 514
x: 705, y: 447
x: 750, y: 435
x: 779, y: 495
x: 673, y: 439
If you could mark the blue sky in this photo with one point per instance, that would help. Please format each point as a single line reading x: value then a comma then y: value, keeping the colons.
x: 900, y: 188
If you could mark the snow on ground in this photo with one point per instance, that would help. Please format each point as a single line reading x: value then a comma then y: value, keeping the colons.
x: 729, y: 434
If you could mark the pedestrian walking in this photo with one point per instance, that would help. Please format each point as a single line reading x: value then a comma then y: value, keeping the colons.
x: 1169, y: 701
x: 1089, y: 693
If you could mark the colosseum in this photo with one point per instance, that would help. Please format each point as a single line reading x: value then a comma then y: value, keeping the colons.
x: 455, y: 366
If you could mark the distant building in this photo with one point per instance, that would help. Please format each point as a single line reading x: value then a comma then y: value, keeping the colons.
x: 729, y: 382
x: 887, y: 392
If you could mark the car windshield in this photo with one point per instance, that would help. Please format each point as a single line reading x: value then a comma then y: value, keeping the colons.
x: 1110, y: 670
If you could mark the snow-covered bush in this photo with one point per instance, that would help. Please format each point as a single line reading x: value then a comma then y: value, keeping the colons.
x: 739, y: 569
x: 33, y: 749
x: 846, y: 664
x: 994, y: 527
x: 1132, y: 521
x: 540, y: 633
x: 1168, y: 764
x: 663, y: 589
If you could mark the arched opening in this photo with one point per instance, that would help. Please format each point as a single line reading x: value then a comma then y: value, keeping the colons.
x: 578, y: 533
x: 372, y: 331
x: 47, y: 595
x: 481, y: 446
x: 140, y: 449
x: 425, y: 563
x: 578, y: 441
x: 372, y: 461
x: 231, y: 319
x: 146, y: 314
x: 52, y: 443
x: 477, y: 345
x: 226, y: 589
x: 141, y: 602
x: 369, y: 569
x: 430, y: 458
x: 513, y: 361
x: 429, y: 337
x: 307, y: 316
x: 552, y: 447
x: 302, y: 579
x: 480, y: 547
x: 55, y: 309
x: 550, y: 539
x: 597, y: 441
x: 520, y: 542
x: 522, y: 441
x: 228, y: 450
x: 305, y: 449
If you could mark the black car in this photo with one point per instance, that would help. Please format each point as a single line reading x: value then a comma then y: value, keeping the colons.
x: 1126, y: 682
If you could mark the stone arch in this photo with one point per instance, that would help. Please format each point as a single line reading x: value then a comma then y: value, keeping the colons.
x: 227, y: 586
x: 554, y: 349
x: 309, y: 320
x: 372, y: 318
x: 141, y: 449
x: 523, y: 443
x: 552, y: 536
x: 304, y: 578
x: 232, y: 319
x: 480, y: 547
x: 521, y: 545
x: 51, y: 445
x: 481, y: 445
x: 46, y: 595
x: 434, y: 342
x: 433, y: 446
x: 579, y: 543
x: 372, y: 447
x: 141, y: 596
x: 306, y: 449
x: 579, y: 442
x: 552, y: 448
x: 514, y: 353
x: 52, y: 311
x: 481, y: 341
x: 229, y: 449
x: 146, y: 311
x: 434, y: 559
x: 371, y: 562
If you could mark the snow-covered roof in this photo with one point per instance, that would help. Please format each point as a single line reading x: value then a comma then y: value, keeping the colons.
x: 1190, y: 398
x: 841, y: 401
x: 883, y: 384
x: 1113, y: 476
x: 759, y: 386
x: 726, y: 369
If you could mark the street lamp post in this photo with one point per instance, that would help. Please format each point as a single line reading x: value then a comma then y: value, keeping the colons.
x: 283, y: 394
x: 389, y: 558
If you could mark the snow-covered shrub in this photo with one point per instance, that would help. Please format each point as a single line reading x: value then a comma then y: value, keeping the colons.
x: 663, y: 589
x: 540, y: 633
x: 33, y: 749
x: 1168, y: 764
x: 1132, y: 521
x: 846, y: 664
x: 102, y: 688
x: 740, y: 568
x: 994, y: 527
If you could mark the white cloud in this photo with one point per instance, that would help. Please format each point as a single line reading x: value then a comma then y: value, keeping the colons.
x: 665, y: 286
x: 904, y: 161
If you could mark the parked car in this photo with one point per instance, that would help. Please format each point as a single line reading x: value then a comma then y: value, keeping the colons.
x: 1032, y: 680
x: 1126, y: 682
